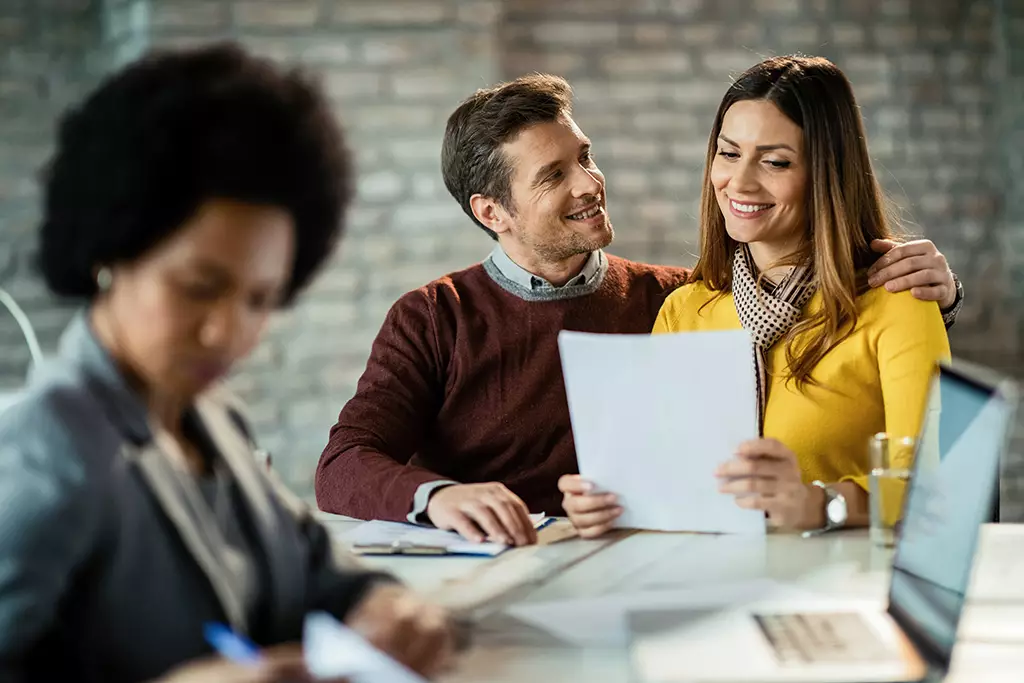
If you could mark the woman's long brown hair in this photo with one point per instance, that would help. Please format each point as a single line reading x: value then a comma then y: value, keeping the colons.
x: 845, y: 206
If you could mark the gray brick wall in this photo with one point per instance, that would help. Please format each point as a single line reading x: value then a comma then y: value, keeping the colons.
x: 940, y: 83
x: 51, y: 52
x: 1008, y: 235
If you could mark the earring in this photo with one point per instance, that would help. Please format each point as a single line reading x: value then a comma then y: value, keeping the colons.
x: 104, y: 278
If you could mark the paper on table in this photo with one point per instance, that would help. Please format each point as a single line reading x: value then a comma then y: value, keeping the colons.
x: 333, y: 651
x: 654, y: 415
x: 603, y: 620
x: 377, y: 532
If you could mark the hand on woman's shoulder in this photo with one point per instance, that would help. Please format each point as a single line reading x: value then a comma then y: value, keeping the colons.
x: 878, y: 304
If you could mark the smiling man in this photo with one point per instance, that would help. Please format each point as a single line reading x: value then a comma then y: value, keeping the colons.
x: 460, y: 419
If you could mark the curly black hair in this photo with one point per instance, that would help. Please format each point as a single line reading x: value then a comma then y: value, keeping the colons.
x: 174, y: 129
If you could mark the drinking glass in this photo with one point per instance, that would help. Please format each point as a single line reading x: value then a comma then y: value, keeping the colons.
x: 891, y: 460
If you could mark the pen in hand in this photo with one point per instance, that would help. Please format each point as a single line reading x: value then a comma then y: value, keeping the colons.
x: 231, y: 645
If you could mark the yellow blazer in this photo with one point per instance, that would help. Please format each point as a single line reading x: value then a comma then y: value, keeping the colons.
x: 876, y: 379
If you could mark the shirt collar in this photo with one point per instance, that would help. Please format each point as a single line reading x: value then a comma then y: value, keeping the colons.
x: 80, y: 349
x: 524, y: 278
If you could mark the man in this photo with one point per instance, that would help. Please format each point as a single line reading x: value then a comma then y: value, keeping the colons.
x: 460, y: 419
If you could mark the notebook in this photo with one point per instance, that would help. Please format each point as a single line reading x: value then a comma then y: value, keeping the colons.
x: 398, y: 538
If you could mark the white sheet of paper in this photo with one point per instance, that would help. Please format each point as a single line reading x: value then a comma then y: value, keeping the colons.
x: 602, y: 621
x: 654, y: 415
x: 332, y: 650
x: 377, y: 532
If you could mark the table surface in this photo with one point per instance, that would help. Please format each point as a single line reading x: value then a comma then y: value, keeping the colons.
x: 846, y: 564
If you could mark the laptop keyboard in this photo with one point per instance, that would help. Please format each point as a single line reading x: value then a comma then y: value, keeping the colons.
x: 825, y: 638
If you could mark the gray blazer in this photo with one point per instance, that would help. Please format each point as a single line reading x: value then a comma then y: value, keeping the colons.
x: 104, y: 573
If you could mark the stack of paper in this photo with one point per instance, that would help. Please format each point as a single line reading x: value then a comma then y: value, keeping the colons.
x: 653, y: 417
x: 398, y: 538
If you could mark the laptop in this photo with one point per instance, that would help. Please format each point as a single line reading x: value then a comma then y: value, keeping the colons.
x: 951, y: 492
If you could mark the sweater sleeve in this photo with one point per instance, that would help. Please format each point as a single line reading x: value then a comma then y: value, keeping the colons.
x: 910, y: 340
x: 364, y: 471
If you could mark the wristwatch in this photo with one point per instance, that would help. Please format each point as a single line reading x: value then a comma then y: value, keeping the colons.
x: 835, y: 507
x: 950, y: 314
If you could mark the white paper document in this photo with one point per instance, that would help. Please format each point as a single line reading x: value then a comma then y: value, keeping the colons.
x: 654, y: 415
x: 401, y: 535
x: 334, y: 651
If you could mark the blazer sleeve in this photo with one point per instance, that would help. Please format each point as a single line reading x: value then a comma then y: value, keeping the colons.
x: 336, y: 579
x: 48, y: 527
x: 337, y: 582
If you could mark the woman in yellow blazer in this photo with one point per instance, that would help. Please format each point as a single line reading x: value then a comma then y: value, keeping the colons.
x: 789, y: 211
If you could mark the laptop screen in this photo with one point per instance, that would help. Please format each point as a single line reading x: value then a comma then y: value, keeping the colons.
x: 951, y: 493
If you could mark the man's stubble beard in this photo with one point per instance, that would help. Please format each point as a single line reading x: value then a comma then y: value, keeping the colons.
x: 575, y: 245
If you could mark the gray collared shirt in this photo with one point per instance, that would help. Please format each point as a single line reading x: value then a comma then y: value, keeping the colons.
x: 524, y: 278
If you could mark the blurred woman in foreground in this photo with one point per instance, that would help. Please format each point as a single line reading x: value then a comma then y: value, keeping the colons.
x: 189, y: 196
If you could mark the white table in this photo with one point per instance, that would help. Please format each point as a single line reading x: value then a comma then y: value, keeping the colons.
x: 990, y: 649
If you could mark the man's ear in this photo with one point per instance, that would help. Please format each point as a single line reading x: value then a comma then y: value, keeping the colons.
x: 489, y: 212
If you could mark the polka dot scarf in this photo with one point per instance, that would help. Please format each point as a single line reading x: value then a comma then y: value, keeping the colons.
x: 767, y: 314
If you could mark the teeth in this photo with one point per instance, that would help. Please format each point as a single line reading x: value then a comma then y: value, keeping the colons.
x: 589, y: 213
x: 749, y: 208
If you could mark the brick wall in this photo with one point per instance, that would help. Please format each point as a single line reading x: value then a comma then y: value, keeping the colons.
x: 939, y: 81
x: 1008, y: 235
x: 51, y: 52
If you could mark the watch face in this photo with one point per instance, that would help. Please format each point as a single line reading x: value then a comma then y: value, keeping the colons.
x: 836, y: 511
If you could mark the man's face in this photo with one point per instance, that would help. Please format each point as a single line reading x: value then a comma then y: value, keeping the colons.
x: 558, y: 199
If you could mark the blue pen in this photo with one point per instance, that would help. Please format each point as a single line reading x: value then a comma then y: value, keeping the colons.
x: 231, y: 645
x: 547, y: 520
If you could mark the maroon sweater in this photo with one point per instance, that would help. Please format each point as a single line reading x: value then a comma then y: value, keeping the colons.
x: 464, y: 382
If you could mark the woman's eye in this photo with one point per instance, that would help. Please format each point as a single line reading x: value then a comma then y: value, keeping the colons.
x: 261, y: 302
x: 199, y: 291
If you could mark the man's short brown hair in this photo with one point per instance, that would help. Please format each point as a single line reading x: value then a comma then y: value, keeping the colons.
x: 472, y: 161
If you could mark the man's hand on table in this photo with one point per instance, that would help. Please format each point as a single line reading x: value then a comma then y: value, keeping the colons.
x: 481, y: 512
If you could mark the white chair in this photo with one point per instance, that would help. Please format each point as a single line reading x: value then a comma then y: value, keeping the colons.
x: 9, y: 397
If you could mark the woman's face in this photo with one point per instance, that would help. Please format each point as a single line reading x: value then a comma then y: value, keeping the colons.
x: 181, y: 315
x: 760, y: 177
